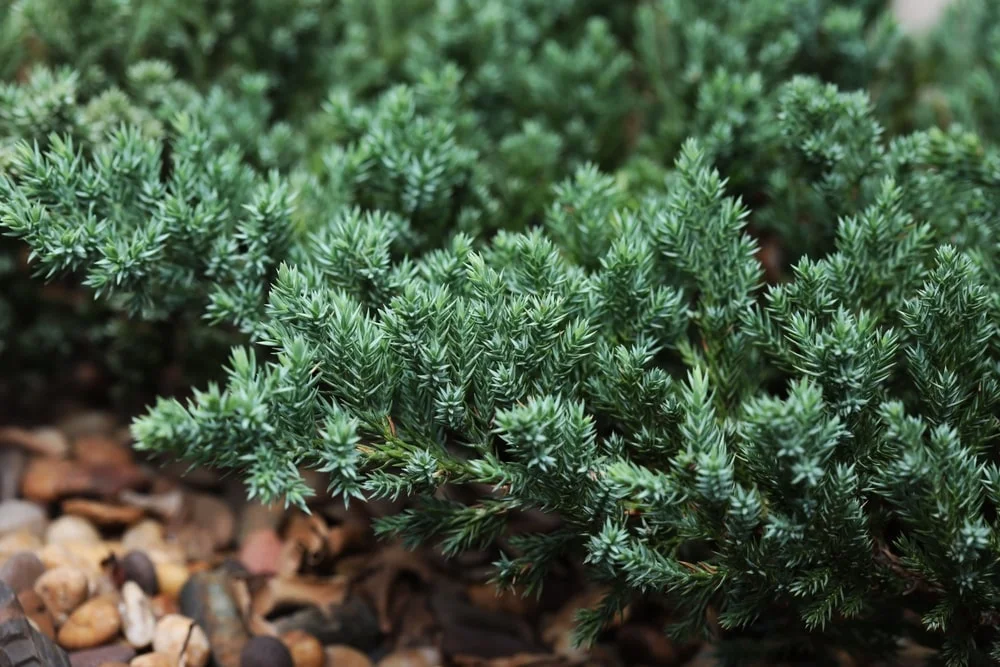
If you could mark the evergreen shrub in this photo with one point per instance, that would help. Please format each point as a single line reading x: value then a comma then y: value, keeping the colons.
x: 715, y: 283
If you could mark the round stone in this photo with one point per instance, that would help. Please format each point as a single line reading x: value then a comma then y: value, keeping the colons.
x: 21, y: 571
x: 17, y: 515
x: 139, y: 568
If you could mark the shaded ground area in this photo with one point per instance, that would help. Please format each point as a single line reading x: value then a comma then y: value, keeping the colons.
x: 124, y: 561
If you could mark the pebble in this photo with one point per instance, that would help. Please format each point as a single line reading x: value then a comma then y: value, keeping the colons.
x: 21, y: 571
x: 63, y: 590
x: 21, y: 515
x: 306, y: 649
x: 94, y: 623
x: 265, y: 652
x: 47, y: 480
x: 167, y: 505
x: 72, y: 530
x: 98, y: 450
x: 340, y: 655
x: 147, y: 533
x: 138, y: 620
x: 171, y: 578
x: 140, y: 569
x: 115, y: 654
x: 22, y: 540
x: 103, y: 514
x: 153, y: 660
x: 208, y: 598
x: 261, y: 551
x: 171, y: 634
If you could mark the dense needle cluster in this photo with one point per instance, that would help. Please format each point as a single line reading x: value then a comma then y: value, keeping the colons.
x: 715, y: 283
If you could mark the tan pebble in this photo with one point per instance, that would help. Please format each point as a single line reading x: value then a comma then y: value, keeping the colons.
x: 101, y: 450
x: 143, y: 536
x: 305, y: 649
x: 341, y: 655
x: 153, y: 660
x: 22, y: 540
x: 413, y: 657
x: 171, y: 578
x: 72, y: 530
x: 138, y: 620
x: 168, y: 552
x: 20, y: 515
x: 171, y: 634
x: 63, y: 589
x: 94, y: 623
x: 87, y: 557
x: 103, y: 514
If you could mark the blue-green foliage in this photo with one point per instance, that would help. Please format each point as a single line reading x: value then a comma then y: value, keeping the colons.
x: 529, y: 247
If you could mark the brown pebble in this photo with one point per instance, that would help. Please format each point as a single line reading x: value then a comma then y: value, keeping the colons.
x: 265, y: 652
x: 153, y: 660
x: 21, y: 570
x: 340, y: 655
x: 174, y: 633
x: 101, y: 450
x: 72, y: 530
x: 103, y: 514
x: 114, y: 654
x: 94, y: 623
x: 21, y: 515
x: 44, y: 479
x: 47, y: 480
x: 62, y: 589
x: 140, y: 569
x: 261, y: 552
x: 305, y: 649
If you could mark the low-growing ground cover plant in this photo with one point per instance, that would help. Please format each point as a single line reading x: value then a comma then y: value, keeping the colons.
x: 714, y: 283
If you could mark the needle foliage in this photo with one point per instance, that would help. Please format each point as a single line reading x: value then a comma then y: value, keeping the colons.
x: 714, y: 283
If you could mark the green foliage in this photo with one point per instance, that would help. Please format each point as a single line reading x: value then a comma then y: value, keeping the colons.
x: 707, y: 281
